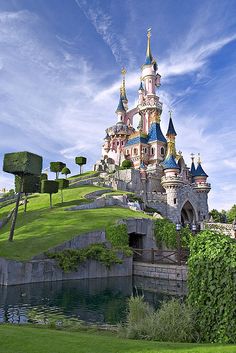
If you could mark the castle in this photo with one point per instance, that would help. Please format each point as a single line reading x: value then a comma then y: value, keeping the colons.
x: 159, y: 173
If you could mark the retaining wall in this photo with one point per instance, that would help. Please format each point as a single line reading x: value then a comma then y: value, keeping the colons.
x: 160, y: 271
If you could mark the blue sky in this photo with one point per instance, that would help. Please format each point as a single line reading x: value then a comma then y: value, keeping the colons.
x: 60, y: 65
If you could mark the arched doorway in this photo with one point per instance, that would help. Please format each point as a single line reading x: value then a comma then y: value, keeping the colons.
x: 188, y: 215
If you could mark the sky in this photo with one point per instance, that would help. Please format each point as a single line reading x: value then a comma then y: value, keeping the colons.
x: 60, y: 64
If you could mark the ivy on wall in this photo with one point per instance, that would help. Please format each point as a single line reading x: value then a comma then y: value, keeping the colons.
x: 165, y: 233
x: 69, y: 259
x: 212, y: 286
x: 118, y: 236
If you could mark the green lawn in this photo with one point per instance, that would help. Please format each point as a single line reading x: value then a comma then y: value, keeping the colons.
x: 41, y: 227
x: 19, y: 339
x: 83, y: 175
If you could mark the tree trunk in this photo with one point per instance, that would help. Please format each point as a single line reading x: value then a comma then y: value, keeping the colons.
x: 11, y: 235
x: 26, y: 201
x: 80, y: 169
x: 62, y: 196
x: 50, y: 200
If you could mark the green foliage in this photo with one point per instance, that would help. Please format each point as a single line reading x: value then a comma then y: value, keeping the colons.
x: 62, y: 183
x: 31, y: 184
x: 117, y: 235
x: 69, y: 259
x: 219, y: 217
x: 65, y: 171
x: 56, y: 167
x: 126, y: 164
x: 43, y: 176
x: 165, y: 232
x: 212, y: 286
x: 80, y: 160
x: 21, y: 163
x: 49, y: 187
x: 173, y: 322
x: 231, y: 214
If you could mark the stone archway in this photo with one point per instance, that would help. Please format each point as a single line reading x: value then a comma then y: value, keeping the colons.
x: 188, y: 215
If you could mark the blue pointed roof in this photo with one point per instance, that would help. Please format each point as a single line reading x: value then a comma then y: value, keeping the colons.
x: 120, y: 107
x: 141, y: 86
x: 171, y: 129
x: 136, y: 140
x: 193, y: 169
x: 142, y: 165
x: 169, y: 163
x: 199, y: 171
x: 155, y: 133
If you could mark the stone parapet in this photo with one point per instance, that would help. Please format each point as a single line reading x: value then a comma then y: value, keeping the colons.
x: 160, y: 271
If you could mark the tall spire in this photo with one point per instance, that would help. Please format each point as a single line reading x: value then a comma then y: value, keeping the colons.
x: 193, y: 169
x: 171, y: 130
x: 149, y: 58
x: 120, y: 107
x: 199, y: 170
x: 122, y: 88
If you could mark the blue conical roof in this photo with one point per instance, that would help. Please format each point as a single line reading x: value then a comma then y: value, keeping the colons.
x: 171, y: 129
x: 169, y: 163
x: 155, y: 133
x: 193, y: 169
x: 199, y: 171
x: 120, y: 107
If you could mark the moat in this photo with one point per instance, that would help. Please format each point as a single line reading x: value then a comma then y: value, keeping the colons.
x: 94, y: 301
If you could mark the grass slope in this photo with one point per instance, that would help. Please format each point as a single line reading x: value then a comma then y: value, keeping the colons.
x: 18, y: 339
x: 41, y: 227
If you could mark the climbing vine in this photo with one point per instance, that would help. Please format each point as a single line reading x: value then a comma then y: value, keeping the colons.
x: 212, y: 286
x: 69, y: 259
x: 165, y: 232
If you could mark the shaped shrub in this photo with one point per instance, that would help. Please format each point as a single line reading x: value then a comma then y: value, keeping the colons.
x: 80, y: 161
x: 30, y: 185
x: 62, y: 184
x: 22, y: 163
x: 65, y: 171
x: 56, y: 167
x: 49, y: 187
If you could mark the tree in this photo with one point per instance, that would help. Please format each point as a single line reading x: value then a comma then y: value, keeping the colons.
x: 30, y: 185
x: 126, y: 164
x: 21, y: 164
x: 80, y: 161
x: 216, y: 215
x: 56, y: 167
x: 65, y: 171
x: 49, y: 187
x: 62, y: 184
x: 231, y: 214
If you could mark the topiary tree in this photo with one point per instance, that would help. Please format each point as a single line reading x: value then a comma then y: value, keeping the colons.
x: 21, y: 164
x: 62, y: 184
x: 43, y: 176
x: 56, y: 167
x: 49, y: 187
x: 126, y: 164
x: 80, y: 161
x: 65, y: 171
x: 30, y: 185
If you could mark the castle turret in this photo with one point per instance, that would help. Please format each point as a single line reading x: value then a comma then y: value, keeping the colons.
x: 120, y: 111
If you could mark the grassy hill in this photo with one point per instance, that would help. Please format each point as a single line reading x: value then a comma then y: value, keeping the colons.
x: 42, y: 228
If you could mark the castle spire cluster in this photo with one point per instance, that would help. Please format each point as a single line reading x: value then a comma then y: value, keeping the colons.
x: 150, y: 152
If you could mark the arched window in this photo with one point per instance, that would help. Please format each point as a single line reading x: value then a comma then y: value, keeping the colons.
x: 162, y: 150
x: 135, y: 151
x: 117, y: 143
x: 152, y: 151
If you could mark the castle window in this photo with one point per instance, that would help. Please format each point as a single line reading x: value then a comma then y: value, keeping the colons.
x: 135, y: 151
x: 127, y: 151
x: 162, y: 150
x: 175, y: 201
x: 122, y: 143
x: 117, y: 143
x: 152, y: 150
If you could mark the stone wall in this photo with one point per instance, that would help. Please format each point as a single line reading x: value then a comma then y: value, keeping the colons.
x: 160, y: 271
x: 164, y: 286
x: 224, y: 228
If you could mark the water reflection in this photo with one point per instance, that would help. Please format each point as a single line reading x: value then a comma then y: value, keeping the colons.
x: 102, y: 301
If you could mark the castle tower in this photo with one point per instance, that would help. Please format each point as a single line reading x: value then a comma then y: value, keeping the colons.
x: 171, y: 181
x: 202, y: 188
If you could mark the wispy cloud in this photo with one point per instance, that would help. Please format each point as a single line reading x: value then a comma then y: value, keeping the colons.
x: 103, y: 24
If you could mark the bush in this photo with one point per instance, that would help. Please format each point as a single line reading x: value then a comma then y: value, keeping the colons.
x: 126, y: 164
x: 212, y: 286
x: 69, y: 259
x: 21, y: 163
x: 173, y: 322
x: 165, y: 232
x: 31, y: 184
x: 65, y: 171
x: 49, y: 187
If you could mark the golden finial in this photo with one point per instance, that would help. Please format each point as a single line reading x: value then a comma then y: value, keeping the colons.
x: 122, y: 88
x: 123, y: 71
x: 149, y: 32
x: 170, y: 113
x: 192, y: 156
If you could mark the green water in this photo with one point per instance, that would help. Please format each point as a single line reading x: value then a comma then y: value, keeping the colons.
x: 100, y: 301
